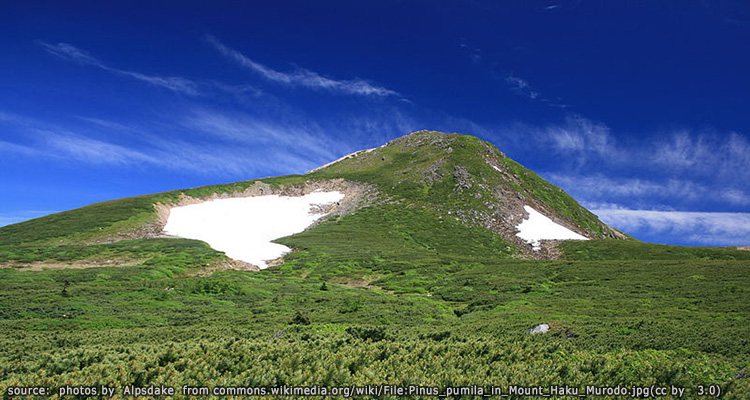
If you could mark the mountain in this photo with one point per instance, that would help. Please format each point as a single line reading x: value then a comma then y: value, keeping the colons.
x: 425, y: 269
x: 433, y: 177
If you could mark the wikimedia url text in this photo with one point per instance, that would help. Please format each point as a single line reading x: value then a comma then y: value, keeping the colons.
x: 103, y: 391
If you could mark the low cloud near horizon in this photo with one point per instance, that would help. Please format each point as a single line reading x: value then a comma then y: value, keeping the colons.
x: 714, y: 228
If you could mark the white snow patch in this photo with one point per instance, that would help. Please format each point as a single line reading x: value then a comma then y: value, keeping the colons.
x: 541, y: 328
x: 244, y: 227
x: 538, y: 227
x: 496, y: 168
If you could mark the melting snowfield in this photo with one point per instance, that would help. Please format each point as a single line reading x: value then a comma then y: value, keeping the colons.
x: 538, y: 227
x: 244, y: 227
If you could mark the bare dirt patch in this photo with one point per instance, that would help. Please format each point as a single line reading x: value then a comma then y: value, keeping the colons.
x: 76, y: 264
x: 363, y: 282
x: 228, y: 265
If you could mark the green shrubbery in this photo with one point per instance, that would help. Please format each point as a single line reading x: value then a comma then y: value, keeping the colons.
x: 613, y: 322
x: 304, y: 358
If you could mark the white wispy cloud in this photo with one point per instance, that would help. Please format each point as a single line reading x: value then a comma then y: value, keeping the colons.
x: 21, y: 215
x: 15, y: 149
x: 210, y: 142
x: 683, y: 152
x: 521, y: 87
x: 376, y: 127
x: 582, y: 135
x: 67, y: 147
x: 236, y: 90
x: 708, y: 153
x: 717, y: 228
x: 173, y: 83
x: 245, y: 129
x: 108, y: 124
x: 69, y: 52
x: 41, y: 139
x: 581, y: 140
x: 302, y: 77
x: 598, y: 187
x: 221, y: 147
x: 95, y: 151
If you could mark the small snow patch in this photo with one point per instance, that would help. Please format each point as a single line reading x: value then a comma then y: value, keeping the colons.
x: 538, y: 227
x: 244, y: 227
x: 496, y: 168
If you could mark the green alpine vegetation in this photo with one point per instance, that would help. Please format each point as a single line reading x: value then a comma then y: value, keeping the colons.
x: 418, y: 278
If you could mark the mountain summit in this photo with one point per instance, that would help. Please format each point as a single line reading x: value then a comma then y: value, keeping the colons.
x: 469, y: 179
x: 420, y: 191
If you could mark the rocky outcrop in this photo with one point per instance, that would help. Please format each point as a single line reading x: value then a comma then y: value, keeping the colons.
x: 462, y: 177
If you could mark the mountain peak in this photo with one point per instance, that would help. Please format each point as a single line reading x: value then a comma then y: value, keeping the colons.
x: 468, y: 179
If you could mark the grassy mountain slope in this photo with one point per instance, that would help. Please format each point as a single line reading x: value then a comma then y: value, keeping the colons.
x: 418, y: 287
x: 455, y: 172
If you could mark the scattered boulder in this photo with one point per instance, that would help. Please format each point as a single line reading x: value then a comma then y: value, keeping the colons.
x: 463, y: 178
x: 541, y: 328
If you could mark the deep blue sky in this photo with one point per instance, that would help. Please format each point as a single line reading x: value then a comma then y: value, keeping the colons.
x: 639, y: 110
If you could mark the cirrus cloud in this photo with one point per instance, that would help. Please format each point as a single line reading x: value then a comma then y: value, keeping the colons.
x: 69, y: 52
x: 302, y: 77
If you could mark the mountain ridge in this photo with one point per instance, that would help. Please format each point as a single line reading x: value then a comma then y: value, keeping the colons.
x: 459, y: 176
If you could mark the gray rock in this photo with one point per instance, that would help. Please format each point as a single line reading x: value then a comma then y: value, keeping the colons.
x: 541, y: 328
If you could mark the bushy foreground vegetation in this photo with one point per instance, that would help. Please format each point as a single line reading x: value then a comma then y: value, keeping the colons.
x: 321, y: 355
x: 401, y: 315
